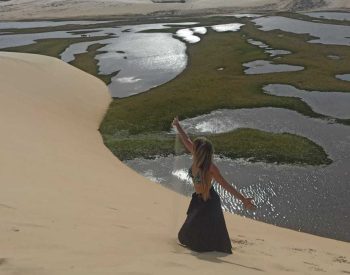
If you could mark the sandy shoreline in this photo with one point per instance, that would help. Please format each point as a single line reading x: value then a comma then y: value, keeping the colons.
x: 53, y: 9
x: 68, y: 206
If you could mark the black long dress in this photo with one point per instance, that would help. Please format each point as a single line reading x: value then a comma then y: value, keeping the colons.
x: 205, y: 228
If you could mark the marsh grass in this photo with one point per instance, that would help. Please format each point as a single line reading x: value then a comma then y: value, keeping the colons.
x: 138, y: 126
x: 251, y: 144
x: 201, y: 88
x: 88, y: 63
x: 51, y: 46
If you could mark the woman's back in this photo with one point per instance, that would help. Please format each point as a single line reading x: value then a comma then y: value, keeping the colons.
x: 196, y: 179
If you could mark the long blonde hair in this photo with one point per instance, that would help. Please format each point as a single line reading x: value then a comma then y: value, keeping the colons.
x: 202, y: 158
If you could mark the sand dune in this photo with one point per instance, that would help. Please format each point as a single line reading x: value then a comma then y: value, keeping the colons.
x: 68, y: 206
x: 39, y: 9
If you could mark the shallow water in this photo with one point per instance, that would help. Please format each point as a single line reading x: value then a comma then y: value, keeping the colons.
x: 333, y: 104
x: 265, y: 67
x: 345, y: 77
x: 267, y: 48
x: 162, y: 58
x: 14, y: 40
x: 310, y: 199
x: 40, y: 24
x: 333, y: 57
x: 233, y: 27
x: 188, y: 35
x: 326, y: 33
x: 343, y: 16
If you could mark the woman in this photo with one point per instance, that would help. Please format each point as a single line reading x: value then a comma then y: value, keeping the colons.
x: 205, y: 228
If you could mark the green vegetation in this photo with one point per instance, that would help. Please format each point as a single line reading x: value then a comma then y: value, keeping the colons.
x: 242, y: 143
x: 51, y: 46
x: 55, y: 46
x: 305, y: 17
x: 138, y: 126
x: 87, y: 62
x: 201, y: 88
x: 118, y: 21
x: 269, y: 147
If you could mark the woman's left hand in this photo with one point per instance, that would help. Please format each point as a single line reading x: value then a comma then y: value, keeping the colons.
x: 247, y: 202
x: 175, y: 121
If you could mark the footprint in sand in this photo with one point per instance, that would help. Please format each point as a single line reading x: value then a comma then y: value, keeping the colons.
x: 314, y: 267
x: 6, y: 206
x: 341, y: 259
x: 3, y: 261
x: 241, y: 242
x: 308, y: 250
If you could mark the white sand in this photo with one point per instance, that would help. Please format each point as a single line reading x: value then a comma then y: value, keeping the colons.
x: 68, y: 206
x: 40, y: 9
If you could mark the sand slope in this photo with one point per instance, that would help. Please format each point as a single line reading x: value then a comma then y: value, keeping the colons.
x: 39, y: 9
x: 68, y: 206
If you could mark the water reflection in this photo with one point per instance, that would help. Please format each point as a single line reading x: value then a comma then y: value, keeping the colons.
x: 138, y: 61
x: 233, y: 27
x: 161, y: 59
x: 333, y: 104
x: 326, y: 33
x: 264, y: 67
x: 188, y: 35
x: 333, y: 57
x: 268, y: 49
x: 310, y: 199
x: 330, y: 15
x: 14, y: 40
x: 345, y: 77
x: 41, y: 24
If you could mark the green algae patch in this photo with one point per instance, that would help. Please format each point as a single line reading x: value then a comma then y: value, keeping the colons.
x: 251, y: 144
x: 88, y: 63
x: 202, y: 88
x: 51, y: 46
x: 257, y: 145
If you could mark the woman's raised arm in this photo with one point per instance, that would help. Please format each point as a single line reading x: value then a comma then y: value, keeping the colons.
x: 186, y: 140
x: 247, y: 202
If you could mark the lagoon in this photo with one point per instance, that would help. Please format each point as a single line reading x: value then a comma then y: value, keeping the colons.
x: 333, y: 104
x: 304, y: 198
x: 324, y: 33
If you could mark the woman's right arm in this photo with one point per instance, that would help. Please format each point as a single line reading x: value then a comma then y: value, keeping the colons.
x: 247, y: 202
x: 186, y: 140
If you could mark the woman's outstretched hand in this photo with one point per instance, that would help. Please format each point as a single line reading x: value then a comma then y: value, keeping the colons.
x: 175, y: 121
x: 247, y: 202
